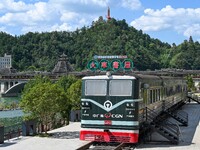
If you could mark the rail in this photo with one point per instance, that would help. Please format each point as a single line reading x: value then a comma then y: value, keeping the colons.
x: 106, y: 146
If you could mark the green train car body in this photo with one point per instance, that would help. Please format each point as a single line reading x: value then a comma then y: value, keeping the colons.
x: 113, y: 106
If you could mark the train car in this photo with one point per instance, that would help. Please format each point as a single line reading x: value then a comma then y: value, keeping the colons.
x: 112, y: 106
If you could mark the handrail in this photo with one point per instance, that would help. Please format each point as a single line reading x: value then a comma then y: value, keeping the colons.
x: 12, y: 131
x: 168, y: 126
x: 150, y: 115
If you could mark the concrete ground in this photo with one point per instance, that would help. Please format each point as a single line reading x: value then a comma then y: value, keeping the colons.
x: 67, y: 138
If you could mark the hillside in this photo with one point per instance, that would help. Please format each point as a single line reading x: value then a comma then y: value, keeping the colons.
x: 40, y: 51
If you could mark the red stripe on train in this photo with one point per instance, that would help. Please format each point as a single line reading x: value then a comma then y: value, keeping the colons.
x: 109, y: 136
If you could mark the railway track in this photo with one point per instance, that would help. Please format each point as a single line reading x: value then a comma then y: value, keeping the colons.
x: 107, y: 146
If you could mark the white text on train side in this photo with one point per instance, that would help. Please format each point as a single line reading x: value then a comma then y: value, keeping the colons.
x: 108, y: 115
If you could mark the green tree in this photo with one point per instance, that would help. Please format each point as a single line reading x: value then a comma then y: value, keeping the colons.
x: 66, y: 105
x: 66, y: 81
x: 42, y: 101
x: 190, y: 83
x: 74, y: 94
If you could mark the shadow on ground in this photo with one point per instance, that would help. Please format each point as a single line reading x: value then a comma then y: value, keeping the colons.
x: 6, y: 144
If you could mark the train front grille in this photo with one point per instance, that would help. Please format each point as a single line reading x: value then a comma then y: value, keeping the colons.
x: 119, y: 139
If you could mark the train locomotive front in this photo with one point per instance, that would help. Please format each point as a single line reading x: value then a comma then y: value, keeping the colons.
x: 110, y: 109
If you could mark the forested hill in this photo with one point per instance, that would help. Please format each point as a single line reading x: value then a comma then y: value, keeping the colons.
x: 40, y: 51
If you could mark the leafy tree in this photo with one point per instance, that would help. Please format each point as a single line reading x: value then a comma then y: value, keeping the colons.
x: 33, y: 82
x: 32, y: 68
x: 42, y: 101
x: 190, y: 83
x: 66, y: 81
x: 65, y: 106
x: 74, y: 94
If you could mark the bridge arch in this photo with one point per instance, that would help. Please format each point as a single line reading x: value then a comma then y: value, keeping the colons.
x: 15, y: 88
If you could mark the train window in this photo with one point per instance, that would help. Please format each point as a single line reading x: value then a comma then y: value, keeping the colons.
x: 158, y: 95
x: 96, y: 87
x: 120, y: 88
x: 151, y: 96
x: 154, y: 96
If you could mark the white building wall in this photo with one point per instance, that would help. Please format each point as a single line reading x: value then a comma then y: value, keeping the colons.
x: 5, y: 62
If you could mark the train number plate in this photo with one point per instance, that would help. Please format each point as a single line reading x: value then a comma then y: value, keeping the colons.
x: 107, y: 122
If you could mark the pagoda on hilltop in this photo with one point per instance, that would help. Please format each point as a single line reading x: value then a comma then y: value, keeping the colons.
x: 62, y: 66
x: 108, y: 14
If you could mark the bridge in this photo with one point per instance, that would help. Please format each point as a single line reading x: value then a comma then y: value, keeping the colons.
x: 12, y: 84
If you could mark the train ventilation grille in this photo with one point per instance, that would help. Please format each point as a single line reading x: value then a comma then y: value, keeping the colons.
x: 119, y: 139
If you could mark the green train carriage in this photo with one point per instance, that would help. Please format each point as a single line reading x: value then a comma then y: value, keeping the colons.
x: 113, y: 105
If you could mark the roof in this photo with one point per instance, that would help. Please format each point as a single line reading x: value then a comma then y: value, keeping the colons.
x: 62, y: 66
x: 110, y: 77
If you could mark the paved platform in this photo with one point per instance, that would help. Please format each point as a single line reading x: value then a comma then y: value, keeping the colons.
x: 67, y: 138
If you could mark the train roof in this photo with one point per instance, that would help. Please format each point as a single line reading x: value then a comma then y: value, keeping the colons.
x: 142, y: 76
x: 109, y: 77
x: 130, y: 76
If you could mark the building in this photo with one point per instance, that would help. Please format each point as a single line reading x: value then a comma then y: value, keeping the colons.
x: 5, y: 62
x: 63, y: 65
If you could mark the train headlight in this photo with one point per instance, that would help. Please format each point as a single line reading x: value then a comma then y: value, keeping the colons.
x: 85, y: 104
x: 130, y: 104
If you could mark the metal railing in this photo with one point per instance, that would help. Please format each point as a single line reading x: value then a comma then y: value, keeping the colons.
x: 12, y: 131
x: 165, y: 127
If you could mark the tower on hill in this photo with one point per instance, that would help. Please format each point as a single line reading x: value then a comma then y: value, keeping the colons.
x: 108, y: 14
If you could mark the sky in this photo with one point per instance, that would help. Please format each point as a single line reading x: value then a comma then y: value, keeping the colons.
x: 171, y: 21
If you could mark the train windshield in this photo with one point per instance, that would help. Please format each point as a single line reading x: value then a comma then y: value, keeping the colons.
x: 120, y: 88
x: 96, y: 87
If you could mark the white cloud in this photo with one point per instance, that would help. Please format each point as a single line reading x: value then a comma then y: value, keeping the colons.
x: 192, y: 30
x: 131, y: 4
x: 81, y: 6
x: 68, y: 16
x: 3, y: 29
x: 39, y: 12
x: 21, y: 16
x: 62, y: 27
x: 11, y: 5
x: 50, y: 15
x: 184, y: 21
